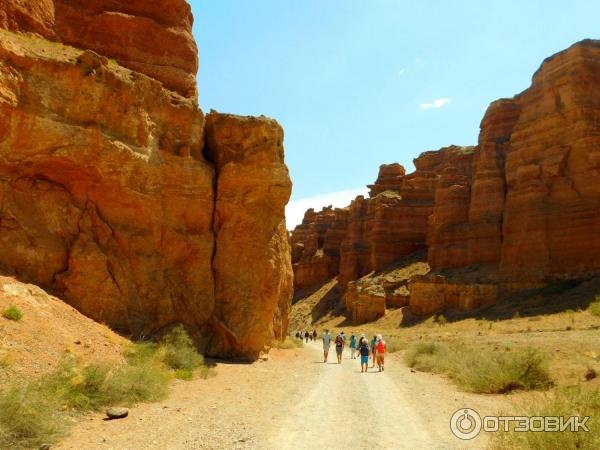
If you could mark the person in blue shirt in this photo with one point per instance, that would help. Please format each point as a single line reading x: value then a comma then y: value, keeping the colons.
x: 352, y: 346
x: 326, y: 345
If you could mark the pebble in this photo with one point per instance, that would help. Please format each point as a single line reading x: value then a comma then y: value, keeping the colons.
x: 117, y: 412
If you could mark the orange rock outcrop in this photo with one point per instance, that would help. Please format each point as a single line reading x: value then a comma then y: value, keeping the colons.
x: 119, y: 196
x: 153, y: 38
x: 519, y: 210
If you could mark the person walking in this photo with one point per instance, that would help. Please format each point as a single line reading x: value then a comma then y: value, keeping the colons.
x: 363, y: 350
x: 352, y: 346
x: 315, y: 335
x: 374, y: 350
x: 339, y: 347
x: 380, y: 352
x: 326, y: 344
x: 306, y: 336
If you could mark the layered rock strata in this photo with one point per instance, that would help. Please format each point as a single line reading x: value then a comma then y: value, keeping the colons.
x: 109, y: 196
x: 519, y: 210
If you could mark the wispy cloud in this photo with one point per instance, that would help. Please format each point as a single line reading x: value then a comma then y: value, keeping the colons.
x: 402, y: 71
x: 437, y: 103
x: 295, y: 209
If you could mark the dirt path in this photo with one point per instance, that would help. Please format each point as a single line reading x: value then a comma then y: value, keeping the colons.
x: 292, y: 401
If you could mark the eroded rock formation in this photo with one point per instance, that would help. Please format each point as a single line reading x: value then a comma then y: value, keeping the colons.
x: 153, y: 38
x: 106, y: 196
x: 519, y: 210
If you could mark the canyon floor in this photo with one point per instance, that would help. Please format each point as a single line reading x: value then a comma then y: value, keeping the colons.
x: 293, y: 400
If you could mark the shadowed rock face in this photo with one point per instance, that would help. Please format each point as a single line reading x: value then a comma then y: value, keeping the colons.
x: 107, y: 198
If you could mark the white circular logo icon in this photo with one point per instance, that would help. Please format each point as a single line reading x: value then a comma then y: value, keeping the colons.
x: 465, y: 423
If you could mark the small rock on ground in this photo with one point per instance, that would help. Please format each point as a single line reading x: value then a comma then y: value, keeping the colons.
x: 117, y: 413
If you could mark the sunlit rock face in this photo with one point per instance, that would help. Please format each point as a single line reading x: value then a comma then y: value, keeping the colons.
x: 519, y: 210
x: 115, y: 192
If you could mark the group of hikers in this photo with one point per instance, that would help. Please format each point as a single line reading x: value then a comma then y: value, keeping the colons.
x: 359, y: 347
x: 307, y: 335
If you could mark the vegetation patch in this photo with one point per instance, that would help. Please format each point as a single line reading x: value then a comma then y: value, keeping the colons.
x: 12, y: 313
x: 483, y: 372
x: 594, y: 307
x: 39, y: 411
x: 565, y: 402
x: 287, y: 343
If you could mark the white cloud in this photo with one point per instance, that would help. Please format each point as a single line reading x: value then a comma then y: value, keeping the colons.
x: 295, y: 209
x: 437, y: 103
x: 402, y: 71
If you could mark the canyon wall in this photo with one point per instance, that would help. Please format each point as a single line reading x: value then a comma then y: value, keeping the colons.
x: 119, y: 196
x: 373, y: 232
x: 518, y: 211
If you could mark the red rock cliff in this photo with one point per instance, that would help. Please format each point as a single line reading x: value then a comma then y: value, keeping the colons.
x: 106, y: 196
x: 153, y: 38
x: 519, y: 210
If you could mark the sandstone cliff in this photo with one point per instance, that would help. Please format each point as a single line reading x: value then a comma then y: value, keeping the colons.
x: 107, y: 197
x: 518, y: 211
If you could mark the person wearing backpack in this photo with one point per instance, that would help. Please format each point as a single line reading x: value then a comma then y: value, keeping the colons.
x: 339, y: 347
x: 364, y: 350
x: 380, y: 352
x: 374, y: 350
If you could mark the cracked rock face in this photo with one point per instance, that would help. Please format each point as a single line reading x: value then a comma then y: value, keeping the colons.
x: 107, y: 199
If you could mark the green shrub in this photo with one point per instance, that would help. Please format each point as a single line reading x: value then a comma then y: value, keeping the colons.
x: 394, y: 344
x: 184, y: 374
x: 12, y: 313
x: 76, y: 387
x: 427, y: 356
x: 594, y: 307
x: 131, y: 384
x: 38, y: 412
x: 482, y: 372
x: 28, y: 418
x: 501, y: 371
x: 441, y: 320
x: 179, y: 350
x: 566, y: 402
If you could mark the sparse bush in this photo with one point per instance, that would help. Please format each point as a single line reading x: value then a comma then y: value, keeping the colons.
x: 566, y: 402
x: 427, y: 356
x: 594, y: 307
x: 517, y: 315
x: 184, y: 374
x: 12, y: 313
x: 441, y: 320
x: 38, y: 412
x: 179, y: 351
x: 501, y: 372
x: 394, y: 344
x: 143, y: 382
x: 28, y: 418
x: 496, y: 372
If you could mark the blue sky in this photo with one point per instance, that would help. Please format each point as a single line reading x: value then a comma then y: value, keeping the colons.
x: 356, y: 84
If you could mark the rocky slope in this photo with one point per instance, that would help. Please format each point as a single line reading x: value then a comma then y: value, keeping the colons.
x: 518, y: 211
x: 119, y: 196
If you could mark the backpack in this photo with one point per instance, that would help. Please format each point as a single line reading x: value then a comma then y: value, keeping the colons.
x: 364, y: 348
x: 381, y: 346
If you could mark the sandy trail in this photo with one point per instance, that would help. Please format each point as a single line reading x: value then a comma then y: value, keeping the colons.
x: 293, y: 401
